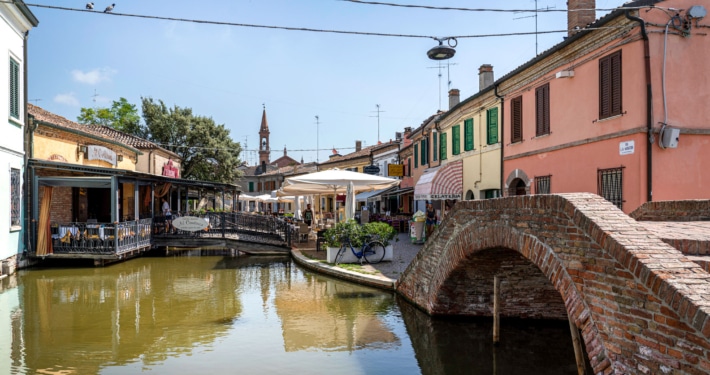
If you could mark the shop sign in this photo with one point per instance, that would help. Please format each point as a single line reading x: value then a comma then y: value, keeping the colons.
x: 190, y: 223
x: 170, y: 170
x: 395, y: 170
x: 371, y: 169
x: 101, y: 153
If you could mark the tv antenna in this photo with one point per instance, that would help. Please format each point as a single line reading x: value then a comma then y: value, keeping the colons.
x: 35, y: 100
x: 448, y: 76
x: 378, y: 121
x: 317, y: 140
x: 535, y: 16
x: 94, y: 97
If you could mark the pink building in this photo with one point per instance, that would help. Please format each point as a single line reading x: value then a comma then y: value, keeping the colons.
x: 619, y: 108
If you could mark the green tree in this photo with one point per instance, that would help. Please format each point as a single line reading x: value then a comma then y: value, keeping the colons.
x: 208, y: 152
x: 122, y: 116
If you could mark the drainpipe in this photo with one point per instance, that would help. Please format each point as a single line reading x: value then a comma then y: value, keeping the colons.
x: 649, y: 109
x: 27, y: 228
x: 502, y: 139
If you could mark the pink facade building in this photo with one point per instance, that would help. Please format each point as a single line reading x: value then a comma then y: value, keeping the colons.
x: 620, y: 108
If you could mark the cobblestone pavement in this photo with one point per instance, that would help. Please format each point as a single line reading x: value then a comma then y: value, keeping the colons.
x: 403, y: 253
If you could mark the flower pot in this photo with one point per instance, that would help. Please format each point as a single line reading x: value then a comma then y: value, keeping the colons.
x: 349, y: 257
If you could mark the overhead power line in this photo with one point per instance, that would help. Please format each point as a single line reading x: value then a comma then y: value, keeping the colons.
x: 365, y: 33
x: 481, y: 9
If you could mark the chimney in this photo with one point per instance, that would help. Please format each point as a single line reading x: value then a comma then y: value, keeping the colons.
x: 485, y: 76
x: 358, y: 146
x: 285, y: 151
x: 579, y: 19
x: 454, y: 97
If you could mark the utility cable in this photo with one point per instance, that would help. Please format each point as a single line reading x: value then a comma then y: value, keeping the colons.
x: 224, y: 23
x: 431, y: 7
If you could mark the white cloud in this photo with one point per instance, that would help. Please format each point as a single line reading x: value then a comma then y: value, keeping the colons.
x: 68, y: 99
x: 93, y: 77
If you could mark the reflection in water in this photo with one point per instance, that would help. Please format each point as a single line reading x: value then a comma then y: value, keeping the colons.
x: 328, y: 315
x: 451, y: 346
x: 251, y: 315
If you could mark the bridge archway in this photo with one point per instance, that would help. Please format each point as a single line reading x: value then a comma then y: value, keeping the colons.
x: 636, y: 300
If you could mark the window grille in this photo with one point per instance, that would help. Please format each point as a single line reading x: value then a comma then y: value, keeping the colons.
x: 516, y: 123
x: 15, y: 198
x: 542, y: 184
x: 610, y: 185
x: 542, y: 110
x: 610, y: 85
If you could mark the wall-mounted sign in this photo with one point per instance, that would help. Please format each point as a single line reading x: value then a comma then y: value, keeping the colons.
x: 626, y: 148
x: 57, y: 157
x: 371, y: 169
x: 170, y: 170
x: 190, y: 223
x: 395, y: 170
x: 101, y: 153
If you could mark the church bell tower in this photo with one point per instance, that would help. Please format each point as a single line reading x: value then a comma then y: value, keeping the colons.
x: 264, y: 149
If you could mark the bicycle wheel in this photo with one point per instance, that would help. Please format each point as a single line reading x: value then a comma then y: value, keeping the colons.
x: 339, y: 256
x: 375, y: 252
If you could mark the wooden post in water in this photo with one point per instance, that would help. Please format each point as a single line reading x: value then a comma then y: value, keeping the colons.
x: 496, y: 310
x: 578, y: 353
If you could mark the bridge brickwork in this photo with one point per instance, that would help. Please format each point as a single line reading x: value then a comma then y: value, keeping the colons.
x: 642, y: 306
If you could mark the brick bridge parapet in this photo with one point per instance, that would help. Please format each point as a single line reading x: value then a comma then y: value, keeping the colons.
x: 641, y: 305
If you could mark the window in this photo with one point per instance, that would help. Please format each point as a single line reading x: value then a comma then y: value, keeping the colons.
x: 409, y: 167
x: 442, y: 147
x: 610, y: 85
x: 456, y: 139
x: 416, y: 156
x: 15, y: 198
x: 251, y: 186
x: 258, y: 186
x: 14, y: 89
x: 542, y: 110
x: 542, y: 184
x: 516, y: 116
x: 435, y: 149
x: 610, y: 185
x: 492, y: 122
x: 491, y: 193
x: 468, y: 135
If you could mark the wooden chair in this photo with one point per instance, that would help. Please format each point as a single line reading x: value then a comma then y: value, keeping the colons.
x: 303, y: 231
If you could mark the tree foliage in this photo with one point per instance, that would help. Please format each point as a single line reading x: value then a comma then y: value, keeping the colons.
x: 208, y: 152
x: 122, y: 116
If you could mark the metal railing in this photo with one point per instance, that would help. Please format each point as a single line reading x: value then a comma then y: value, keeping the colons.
x: 100, y: 238
x: 236, y: 225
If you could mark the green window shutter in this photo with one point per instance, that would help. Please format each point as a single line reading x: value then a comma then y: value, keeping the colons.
x: 14, y: 89
x: 492, y: 126
x: 468, y: 135
x: 442, y: 147
x: 424, y: 152
x: 416, y: 156
x: 456, y: 139
x: 251, y: 186
x: 435, y: 149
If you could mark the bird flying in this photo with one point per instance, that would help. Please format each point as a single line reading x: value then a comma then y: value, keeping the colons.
x: 109, y: 8
x: 90, y: 6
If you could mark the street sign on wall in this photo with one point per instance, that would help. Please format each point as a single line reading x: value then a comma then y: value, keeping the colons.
x: 371, y: 169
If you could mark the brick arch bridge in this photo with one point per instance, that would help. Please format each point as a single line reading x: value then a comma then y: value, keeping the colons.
x: 641, y: 305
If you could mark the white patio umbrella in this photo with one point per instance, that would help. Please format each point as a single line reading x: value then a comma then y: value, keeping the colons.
x: 297, y: 212
x: 350, y: 202
x: 335, y: 181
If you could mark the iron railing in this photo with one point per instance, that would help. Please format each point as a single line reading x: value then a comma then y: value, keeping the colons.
x: 100, y: 238
x: 235, y: 225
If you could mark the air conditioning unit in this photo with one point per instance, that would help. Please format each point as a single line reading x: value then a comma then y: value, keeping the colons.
x: 565, y: 74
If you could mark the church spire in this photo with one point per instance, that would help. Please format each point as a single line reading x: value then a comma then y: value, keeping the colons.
x: 264, y: 148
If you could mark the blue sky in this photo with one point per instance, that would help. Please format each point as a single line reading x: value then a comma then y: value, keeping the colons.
x: 80, y: 59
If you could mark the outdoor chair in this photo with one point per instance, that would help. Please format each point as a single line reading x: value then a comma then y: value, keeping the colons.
x: 303, y: 231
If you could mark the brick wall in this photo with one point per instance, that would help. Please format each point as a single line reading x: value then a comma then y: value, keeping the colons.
x: 687, y: 210
x: 61, y: 208
x: 641, y: 305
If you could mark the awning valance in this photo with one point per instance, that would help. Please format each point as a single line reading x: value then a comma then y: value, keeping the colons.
x: 371, y: 195
x: 445, y: 182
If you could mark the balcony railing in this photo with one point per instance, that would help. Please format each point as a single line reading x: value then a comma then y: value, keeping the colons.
x: 100, y: 238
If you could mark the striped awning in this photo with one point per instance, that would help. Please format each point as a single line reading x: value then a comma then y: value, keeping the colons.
x: 445, y: 182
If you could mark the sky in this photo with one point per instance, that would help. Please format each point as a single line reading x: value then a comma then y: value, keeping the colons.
x: 231, y: 73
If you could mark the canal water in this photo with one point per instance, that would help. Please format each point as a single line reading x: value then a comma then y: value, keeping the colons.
x: 247, y: 315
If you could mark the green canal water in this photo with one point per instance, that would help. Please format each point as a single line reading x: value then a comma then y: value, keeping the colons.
x: 246, y: 315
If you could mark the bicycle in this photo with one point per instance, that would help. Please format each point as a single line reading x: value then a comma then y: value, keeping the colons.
x: 373, y: 251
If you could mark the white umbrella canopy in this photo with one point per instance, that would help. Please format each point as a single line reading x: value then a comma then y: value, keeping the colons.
x: 335, y: 179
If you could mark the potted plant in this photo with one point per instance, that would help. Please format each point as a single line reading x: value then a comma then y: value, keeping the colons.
x: 384, y: 233
x: 333, y: 238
